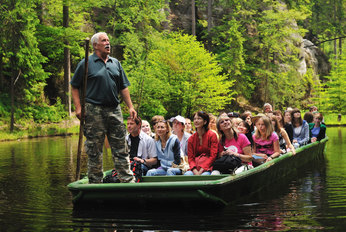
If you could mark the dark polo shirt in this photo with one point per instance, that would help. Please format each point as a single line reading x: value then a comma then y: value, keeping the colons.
x: 105, y: 80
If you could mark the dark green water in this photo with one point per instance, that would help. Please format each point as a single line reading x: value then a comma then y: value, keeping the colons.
x: 33, y: 196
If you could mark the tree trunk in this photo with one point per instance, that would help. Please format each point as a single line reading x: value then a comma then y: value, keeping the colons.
x: 67, y: 63
x: 335, y: 42
x: 210, y: 15
x: 13, y: 76
x: 340, y: 47
x: 335, y: 53
x: 210, y: 25
x: 1, y: 72
x: 193, y: 18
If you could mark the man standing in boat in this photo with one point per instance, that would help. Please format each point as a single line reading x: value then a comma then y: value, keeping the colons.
x: 103, y: 116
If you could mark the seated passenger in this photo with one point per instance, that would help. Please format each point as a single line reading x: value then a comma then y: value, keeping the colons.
x: 313, y: 109
x: 236, y: 122
x: 309, y: 117
x: 267, y: 108
x: 266, y: 141
x: 279, y: 117
x: 234, y: 116
x: 232, y: 143
x: 300, y: 129
x: 202, y: 146
x: 284, y: 141
x: 179, y: 131
x: 188, y: 126
x: 247, y: 116
x: 142, y: 147
x: 146, y: 128
x: 317, y: 128
x: 212, y: 124
x: 167, y: 149
x: 244, y: 128
x: 288, y: 124
x: 154, y: 120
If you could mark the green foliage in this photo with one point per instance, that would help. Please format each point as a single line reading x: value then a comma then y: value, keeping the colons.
x: 42, y: 113
x: 140, y: 16
x: 278, y: 51
x: 259, y: 49
x: 22, y: 54
x: 230, y: 53
x: 332, y: 119
x: 328, y: 18
x: 4, y: 106
x: 331, y: 96
x: 180, y: 77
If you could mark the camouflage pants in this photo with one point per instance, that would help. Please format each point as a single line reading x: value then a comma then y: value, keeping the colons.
x: 101, y: 121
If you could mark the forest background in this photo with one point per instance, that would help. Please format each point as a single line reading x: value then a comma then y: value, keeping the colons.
x: 180, y: 55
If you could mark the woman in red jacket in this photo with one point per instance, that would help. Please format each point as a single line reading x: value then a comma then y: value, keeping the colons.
x: 202, y: 146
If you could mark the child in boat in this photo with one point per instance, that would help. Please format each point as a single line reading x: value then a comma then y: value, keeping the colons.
x: 247, y: 116
x: 202, y: 146
x: 167, y: 149
x: 245, y: 128
x: 231, y: 142
x: 266, y: 141
x: 317, y: 128
x: 284, y: 141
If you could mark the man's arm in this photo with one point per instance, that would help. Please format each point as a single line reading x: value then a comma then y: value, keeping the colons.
x: 125, y: 93
x: 76, y: 101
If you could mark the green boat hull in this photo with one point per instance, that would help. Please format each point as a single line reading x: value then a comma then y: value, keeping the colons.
x: 220, y: 190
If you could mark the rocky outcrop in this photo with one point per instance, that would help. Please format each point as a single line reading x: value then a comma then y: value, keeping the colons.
x: 313, y: 57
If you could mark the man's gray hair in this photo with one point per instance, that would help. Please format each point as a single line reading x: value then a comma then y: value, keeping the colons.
x: 267, y: 104
x: 95, y: 38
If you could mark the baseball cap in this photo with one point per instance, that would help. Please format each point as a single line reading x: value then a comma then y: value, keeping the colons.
x: 179, y: 119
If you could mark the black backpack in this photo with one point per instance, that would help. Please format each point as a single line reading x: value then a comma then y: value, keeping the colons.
x: 111, y: 178
x: 227, y: 163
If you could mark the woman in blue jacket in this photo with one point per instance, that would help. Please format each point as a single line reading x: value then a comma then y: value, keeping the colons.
x: 300, y: 129
x: 167, y: 149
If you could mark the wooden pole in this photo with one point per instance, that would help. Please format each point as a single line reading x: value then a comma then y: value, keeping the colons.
x: 82, y: 101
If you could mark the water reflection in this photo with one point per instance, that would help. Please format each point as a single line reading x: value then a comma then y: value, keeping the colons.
x: 33, y: 196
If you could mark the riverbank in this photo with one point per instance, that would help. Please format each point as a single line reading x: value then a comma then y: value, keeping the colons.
x: 29, y: 130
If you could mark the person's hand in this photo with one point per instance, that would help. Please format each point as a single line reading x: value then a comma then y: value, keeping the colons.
x: 138, y: 159
x: 269, y: 159
x: 79, y: 113
x: 313, y: 139
x: 195, y: 172
x: 232, y: 153
x: 295, y: 141
x: 293, y: 151
x: 133, y: 113
x: 200, y: 171
x: 223, y: 153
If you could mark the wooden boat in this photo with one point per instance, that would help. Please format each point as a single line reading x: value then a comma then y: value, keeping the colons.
x: 220, y: 190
